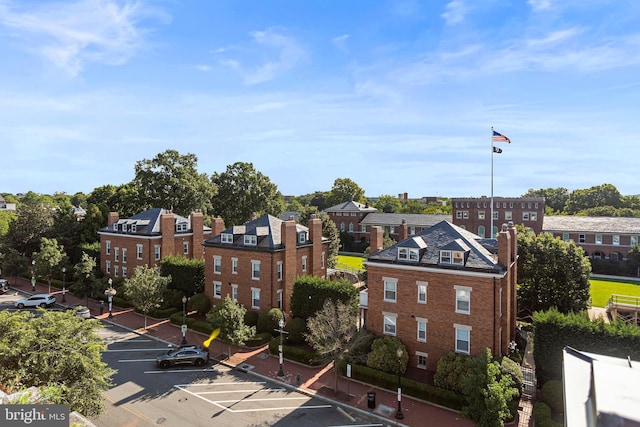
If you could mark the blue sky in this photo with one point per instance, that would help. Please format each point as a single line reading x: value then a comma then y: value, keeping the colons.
x: 399, y: 96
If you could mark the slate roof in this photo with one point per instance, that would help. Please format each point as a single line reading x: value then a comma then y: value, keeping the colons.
x: 350, y: 206
x: 445, y: 236
x: 267, y: 228
x: 413, y: 220
x: 148, y: 223
x: 591, y: 224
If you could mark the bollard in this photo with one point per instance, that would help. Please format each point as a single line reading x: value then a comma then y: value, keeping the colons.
x: 101, y: 307
x: 298, y: 378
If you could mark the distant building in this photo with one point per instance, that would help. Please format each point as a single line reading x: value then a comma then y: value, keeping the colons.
x: 391, y: 222
x: 4, y: 206
x: 347, y: 217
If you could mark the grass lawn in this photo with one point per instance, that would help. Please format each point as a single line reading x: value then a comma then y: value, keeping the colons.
x: 350, y: 261
x: 601, y: 291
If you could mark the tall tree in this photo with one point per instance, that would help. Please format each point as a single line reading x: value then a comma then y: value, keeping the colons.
x: 33, y: 223
x: 344, y: 190
x: 85, y: 284
x: 555, y: 198
x: 145, y: 289
x: 172, y: 181
x: 387, y: 204
x: 413, y: 207
x: 49, y: 259
x: 333, y: 332
x: 229, y: 317
x: 242, y: 192
x: 56, y: 349
x: 14, y: 264
x: 551, y: 273
x: 599, y: 195
x: 329, y: 230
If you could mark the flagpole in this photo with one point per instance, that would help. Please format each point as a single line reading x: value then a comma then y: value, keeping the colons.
x: 491, y: 222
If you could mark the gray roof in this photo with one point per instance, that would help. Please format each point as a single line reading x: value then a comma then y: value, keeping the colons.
x: 148, y: 223
x: 444, y: 236
x: 413, y: 220
x: 350, y: 206
x: 593, y: 224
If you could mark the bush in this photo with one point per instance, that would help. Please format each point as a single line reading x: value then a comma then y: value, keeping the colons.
x: 310, y: 293
x: 451, y: 369
x: 172, y: 298
x: 541, y: 412
x: 511, y: 368
x: 553, y: 395
x: 251, y: 318
x: 296, y: 328
x: 365, y: 339
x: 268, y: 321
x: 163, y: 313
x: 258, y: 340
x: 297, y: 354
x: 383, y: 355
x: 200, y: 326
x: 199, y: 303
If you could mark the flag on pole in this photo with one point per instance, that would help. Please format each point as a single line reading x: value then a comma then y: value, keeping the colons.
x: 497, y: 150
x: 498, y: 137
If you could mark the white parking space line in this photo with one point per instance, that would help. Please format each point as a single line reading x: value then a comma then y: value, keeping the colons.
x: 136, y: 360
x: 123, y: 350
x: 217, y: 384
x: 241, y: 391
x: 264, y: 400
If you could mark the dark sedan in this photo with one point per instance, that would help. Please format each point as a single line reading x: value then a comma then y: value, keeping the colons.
x: 187, y: 355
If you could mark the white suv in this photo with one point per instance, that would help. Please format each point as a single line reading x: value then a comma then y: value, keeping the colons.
x: 37, y: 300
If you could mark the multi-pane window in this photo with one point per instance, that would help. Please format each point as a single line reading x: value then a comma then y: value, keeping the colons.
x: 226, y: 238
x: 534, y: 216
x: 565, y: 237
x: 116, y: 271
x: 116, y: 254
x: 304, y: 263
x: 279, y: 268
x: 250, y: 239
x: 458, y: 214
x: 156, y: 252
x: 390, y: 288
x: 234, y: 265
x: 185, y: 248
x: 363, y: 228
x: 302, y: 237
x: 255, y: 298
x: 480, y: 214
x: 422, y: 292
x: 217, y: 265
x: 525, y: 216
x: 582, y: 238
x: 107, y: 267
x: 124, y: 271
x: 463, y: 299
x: 255, y: 270
x: 279, y: 294
x: 124, y: 254
x: 633, y: 240
x: 598, y: 239
x: 392, y: 230
x: 342, y: 226
x: 134, y: 228
x: 465, y: 214
x: 421, y: 325
x: 217, y: 290
x: 408, y: 254
x: 234, y: 292
x: 421, y: 360
x: 616, y: 239
x: 350, y: 228
x: 445, y: 257
x: 412, y: 230
x: 496, y: 215
x: 481, y: 230
x: 458, y: 258
x: 139, y: 249
x: 108, y: 248
x: 389, y: 323
x: 463, y: 338
x: 508, y: 215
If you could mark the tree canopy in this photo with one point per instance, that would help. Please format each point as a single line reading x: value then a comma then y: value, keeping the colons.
x: 34, y: 222
x: 242, y: 192
x: 145, y: 289
x: 387, y: 204
x: 49, y: 259
x: 229, y: 317
x: 551, y: 273
x: 343, y: 190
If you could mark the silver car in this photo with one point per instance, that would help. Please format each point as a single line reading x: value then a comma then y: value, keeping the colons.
x: 37, y: 300
x: 186, y: 355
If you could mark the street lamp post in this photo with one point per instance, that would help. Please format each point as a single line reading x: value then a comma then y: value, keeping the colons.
x: 399, y: 414
x: 64, y: 283
x: 33, y: 275
x: 282, y: 331
x: 184, y: 320
x: 110, y: 293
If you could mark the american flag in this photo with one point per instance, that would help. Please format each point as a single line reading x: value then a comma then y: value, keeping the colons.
x: 498, y: 137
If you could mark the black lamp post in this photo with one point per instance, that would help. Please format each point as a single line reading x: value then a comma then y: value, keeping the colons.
x: 33, y: 275
x: 399, y: 414
x: 64, y: 283
x: 110, y: 293
x: 282, y: 331
x: 184, y: 320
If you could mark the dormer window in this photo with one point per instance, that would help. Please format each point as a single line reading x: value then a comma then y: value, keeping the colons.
x: 302, y: 237
x: 250, y: 239
x: 133, y: 228
x: 408, y: 254
x: 452, y: 257
x: 181, y: 226
x: 115, y: 226
x: 226, y: 238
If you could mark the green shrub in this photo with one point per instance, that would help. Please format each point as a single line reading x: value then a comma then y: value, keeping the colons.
x: 199, y: 303
x: 452, y: 368
x: 383, y: 355
x: 251, y: 318
x: 268, y: 321
x: 163, y: 313
x: 172, y: 298
x: 296, y: 328
x: 553, y: 395
x: 259, y: 339
x: 200, y: 326
x: 541, y: 412
x: 511, y: 368
x: 297, y: 354
x: 310, y: 293
x: 361, y: 350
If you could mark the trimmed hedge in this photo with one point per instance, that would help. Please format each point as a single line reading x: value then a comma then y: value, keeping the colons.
x: 163, y: 313
x: 259, y: 340
x: 251, y: 318
x: 268, y: 321
x: 187, y: 275
x: 553, y: 394
x: 297, y: 354
x: 296, y: 328
x: 199, y: 303
x: 310, y: 292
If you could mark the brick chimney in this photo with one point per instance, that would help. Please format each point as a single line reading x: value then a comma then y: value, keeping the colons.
x: 504, y: 247
x: 315, y: 235
x: 290, y: 260
x: 376, y: 240
x: 197, y: 227
x: 112, y: 218
x: 403, y: 231
x: 168, y: 231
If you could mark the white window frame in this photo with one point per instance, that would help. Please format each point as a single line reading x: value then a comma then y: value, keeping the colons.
x: 124, y: 255
x: 565, y: 237
x: 139, y: 250
x: 615, y: 240
x: 446, y: 257
x: 134, y: 228
x: 342, y: 226
x: 226, y: 238
x: 422, y: 292
x: 185, y: 248
x: 458, y: 214
x: 304, y: 264
x: 633, y: 241
x: 421, y: 327
x: 419, y: 355
x: 465, y: 214
x: 116, y: 271
x: 302, y: 237
x: 457, y: 258
x: 234, y: 265
x: 508, y: 215
x: 279, y: 296
x: 462, y: 331
x: 255, y: 269
x: 107, y: 266
x: 255, y: 295
x: 217, y: 290
x: 598, y: 239
x: 279, y: 270
x: 250, y: 239
x: 534, y: 216
x: 350, y: 228
x: 481, y: 231
x: 480, y: 214
x: 156, y: 252
x: 124, y: 271
x: 525, y: 216
x: 108, y: 247
x: 234, y: 292
x: 390, y: 322
x: 582, y: 238
x: 116, y: 254
x: 363, y: 228
x: 463, y: 295
x: 390, y: 286
x: 217, y: 264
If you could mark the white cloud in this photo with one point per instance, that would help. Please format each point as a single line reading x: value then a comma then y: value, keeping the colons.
x: 72, y: 34
x: 203, y: 67
x: 539, y: 5
x: 341, y: 43
x: 456, y: 12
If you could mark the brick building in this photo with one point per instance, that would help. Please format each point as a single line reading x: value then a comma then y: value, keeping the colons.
x: 347, y: 217
x: 444, y: 289
x: 474, y: 213
x: 392, y: 222
x: 147, y: 237
x: 257, y: 263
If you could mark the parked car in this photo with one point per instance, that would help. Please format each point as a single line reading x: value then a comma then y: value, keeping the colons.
x: 80, y: 311
x: 4, y: 286
x: 37, y: 300
x: 185, y: 355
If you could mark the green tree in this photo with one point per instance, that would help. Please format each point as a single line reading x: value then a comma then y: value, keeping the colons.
x: 384, y: 357
x: 633, y: 256
x: 488, y: 392
x: 34, y: 222
x: 242, y: 192
x: 599, y: 195
x: 329, y: 230
x: 551, y: 273
x: 333, y: 332
x: 5, y: 219
x: 145, y: 289
x: 14, y: 264
x: 413, y: 207
x: 555, y: 198
x: 54, y: 350
x: 344, y: 190
x: 172, y: 181
x: 387, y: 204
x: 48, y: 260
x: 85, y: 284
x: 229, y: 317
